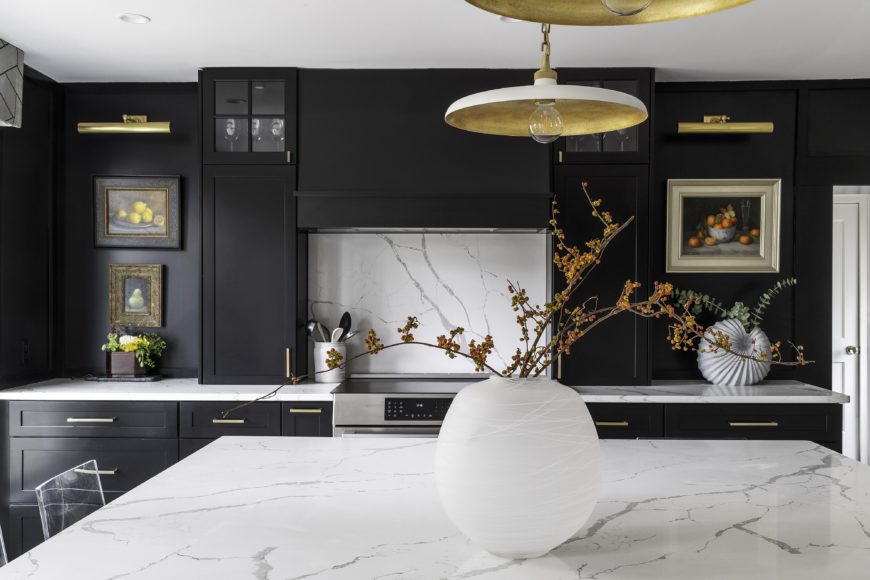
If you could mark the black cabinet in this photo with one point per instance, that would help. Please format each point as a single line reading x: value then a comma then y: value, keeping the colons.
x: 25, y: 530
x: 34, y: 460
x: 248, y: 274
x: 92, y: 419
x: 249, y: 115
x: 614, y: 353
x: 834, y: 136
x: 628, y: 420
x: 307, y: 420
x: 630, y: 145
x: 206, y: 420
x: 187, y: 447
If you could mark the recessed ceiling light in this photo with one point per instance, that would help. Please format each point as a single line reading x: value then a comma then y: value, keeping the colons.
x: 131, y: 18
x: 509, y: 19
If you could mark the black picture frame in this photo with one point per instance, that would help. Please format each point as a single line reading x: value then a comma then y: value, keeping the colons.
x: 154, y: 199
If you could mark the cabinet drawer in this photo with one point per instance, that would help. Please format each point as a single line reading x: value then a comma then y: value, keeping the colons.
x: 627, y: 420
x: 204, y: 420
x: 795, y: 421
x: 306, y: 420
x: 32, y: 461
x: 187, y: 447
x: 92, y: 419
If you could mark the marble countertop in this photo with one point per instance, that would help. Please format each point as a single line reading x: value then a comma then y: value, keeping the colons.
x: 190, y: 390
x: 165, y: 390
x: 330, y: 509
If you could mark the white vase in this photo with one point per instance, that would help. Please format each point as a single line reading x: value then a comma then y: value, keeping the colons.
x: 323, y: 374
x: 722, y: 367
x: 517, y: 465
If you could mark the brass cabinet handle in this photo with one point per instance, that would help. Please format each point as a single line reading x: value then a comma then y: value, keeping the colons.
x: 288, y: 369
x: 91, y: 420
x: 297, y: 410
x: 228, y: 421
x: 110, y: 471
x: 611, y: 423
x: 753, y: 424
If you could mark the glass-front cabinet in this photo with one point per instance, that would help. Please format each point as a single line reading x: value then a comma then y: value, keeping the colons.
x: 629, y: 145
x: 249, y: 116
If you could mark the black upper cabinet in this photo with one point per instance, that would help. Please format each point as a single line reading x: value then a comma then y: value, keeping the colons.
x: 614, y: 353
x: 631, y: 145
x: 249, y: 115
x: 248, y: 274
x: 834, y: 136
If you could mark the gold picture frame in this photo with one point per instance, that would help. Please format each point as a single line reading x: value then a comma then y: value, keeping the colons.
x: 136, y: 295
x: 723, y: 225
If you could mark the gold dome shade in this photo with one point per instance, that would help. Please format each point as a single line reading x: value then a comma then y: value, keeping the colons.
x: 593, y: 13
x: 580, y: 117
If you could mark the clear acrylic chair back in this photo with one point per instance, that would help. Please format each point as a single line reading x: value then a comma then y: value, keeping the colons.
x: 3, y: 559
x: 69, y: 497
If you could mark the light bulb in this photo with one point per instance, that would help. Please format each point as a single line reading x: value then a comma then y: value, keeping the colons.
x: 545, y: 124
x: 626, y: 7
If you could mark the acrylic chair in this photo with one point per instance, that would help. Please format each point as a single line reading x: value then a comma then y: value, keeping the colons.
x: 69, y: 497
x: 3, y: 559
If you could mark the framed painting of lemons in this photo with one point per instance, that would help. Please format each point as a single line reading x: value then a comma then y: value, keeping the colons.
x: 136, y: 295
x: 136, y: 212
x: 722, y: 226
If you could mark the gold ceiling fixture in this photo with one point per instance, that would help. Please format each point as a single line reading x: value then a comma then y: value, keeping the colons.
x: 723, y: 124
x: 128, y: 124
x: 546, y: 110
x: 603, y: 12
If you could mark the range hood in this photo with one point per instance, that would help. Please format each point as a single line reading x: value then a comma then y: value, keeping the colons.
x: 415, y: 211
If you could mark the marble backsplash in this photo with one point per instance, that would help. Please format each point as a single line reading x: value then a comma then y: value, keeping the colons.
x: 444, y: 279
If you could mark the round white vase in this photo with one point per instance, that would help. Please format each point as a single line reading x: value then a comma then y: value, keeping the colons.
x: 517, y: 465
x: 722, y: 367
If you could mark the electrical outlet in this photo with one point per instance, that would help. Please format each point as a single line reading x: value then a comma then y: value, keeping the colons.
x: 25, y: 352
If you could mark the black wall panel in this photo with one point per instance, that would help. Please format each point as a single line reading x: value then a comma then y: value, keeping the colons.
x: 83, y: 295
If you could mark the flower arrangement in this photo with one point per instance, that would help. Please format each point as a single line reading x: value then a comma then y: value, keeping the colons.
x: 749, y: 317
x: 567, y: 318
x: 147, y: 347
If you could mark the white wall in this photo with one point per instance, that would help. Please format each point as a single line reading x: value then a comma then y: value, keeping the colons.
x: 445, y: 280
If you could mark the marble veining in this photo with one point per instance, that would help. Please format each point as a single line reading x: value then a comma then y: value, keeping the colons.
x: 327, y: 509
x: 444, y: 279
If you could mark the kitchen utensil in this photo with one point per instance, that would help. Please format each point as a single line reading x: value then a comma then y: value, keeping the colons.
x: 324, y: 332
x: 336, y: 334
x: 344, y: 324
x: 350, y: 335
x: 315, y: 326
x: 310, y: 329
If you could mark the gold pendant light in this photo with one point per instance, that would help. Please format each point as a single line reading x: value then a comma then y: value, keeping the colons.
x: 546, y: 110
x: 604, y: 12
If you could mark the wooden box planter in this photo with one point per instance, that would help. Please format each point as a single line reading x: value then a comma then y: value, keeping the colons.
x: 124, y: 364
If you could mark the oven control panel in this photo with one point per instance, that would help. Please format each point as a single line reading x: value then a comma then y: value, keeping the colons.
x: 408, y: 409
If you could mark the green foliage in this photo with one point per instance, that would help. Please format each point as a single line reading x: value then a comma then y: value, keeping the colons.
x: 749, y: 317
x: 148, y: 347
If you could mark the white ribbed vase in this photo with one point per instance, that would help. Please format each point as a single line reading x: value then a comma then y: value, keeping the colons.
x: 518, y: 465
x: 721, y: 367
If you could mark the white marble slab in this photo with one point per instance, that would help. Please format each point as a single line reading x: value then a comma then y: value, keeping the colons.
x: 702, y: 392
x: 165, y: 390
x: 444, y: 279
x: 314, y: 508
x: 189, y: 390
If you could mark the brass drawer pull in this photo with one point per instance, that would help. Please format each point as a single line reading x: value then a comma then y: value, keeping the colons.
x: 111, y: 471
x: 297, y: 410
x: 228, y: 421
x: 91, y: 420
x: 611, y: 423
x: 753, y: 424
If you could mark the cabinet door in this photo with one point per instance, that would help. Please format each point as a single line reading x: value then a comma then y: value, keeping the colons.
x: 249, y: 116
x: 614, y: 353
x: 307, y: 420
x: 627, y: 420
x: 630, y: 145
x: 25, y: 530
x: 248, y: 274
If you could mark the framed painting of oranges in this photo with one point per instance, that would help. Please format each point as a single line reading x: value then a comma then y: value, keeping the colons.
x: 720, y: 226
x: 136, y: 212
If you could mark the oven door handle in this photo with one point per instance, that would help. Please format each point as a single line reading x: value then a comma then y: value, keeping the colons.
x: 362, y: 432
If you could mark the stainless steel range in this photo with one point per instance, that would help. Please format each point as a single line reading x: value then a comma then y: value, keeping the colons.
x: 394, y: 407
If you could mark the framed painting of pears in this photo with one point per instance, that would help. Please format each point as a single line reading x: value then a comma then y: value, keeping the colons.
x: 136, y: 212
x: 136, y: 295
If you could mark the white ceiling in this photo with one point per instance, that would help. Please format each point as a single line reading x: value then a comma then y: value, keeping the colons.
x: 83, y: 40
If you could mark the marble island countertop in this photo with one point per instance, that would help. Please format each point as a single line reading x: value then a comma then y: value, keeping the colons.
x: 190, y: 390
x: 330, y: 509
